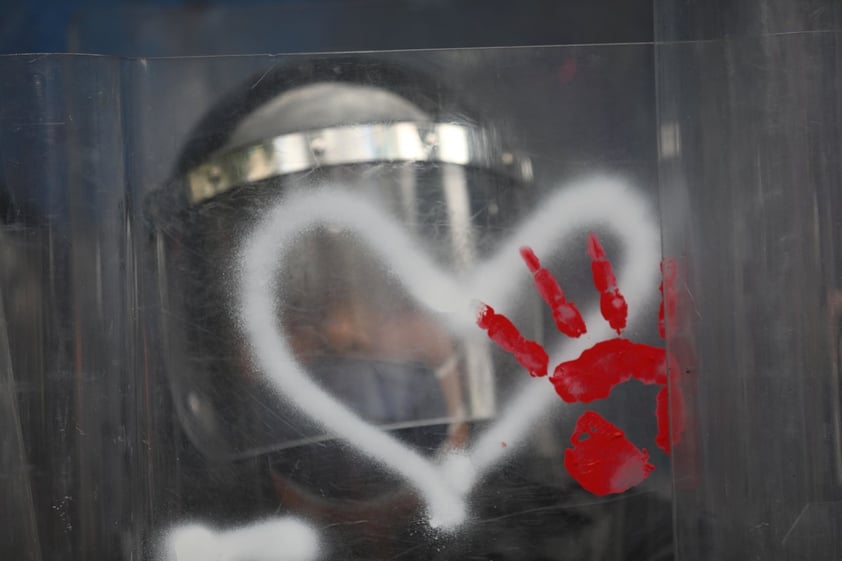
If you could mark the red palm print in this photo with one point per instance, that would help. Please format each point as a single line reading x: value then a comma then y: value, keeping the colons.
x: 600, y: 458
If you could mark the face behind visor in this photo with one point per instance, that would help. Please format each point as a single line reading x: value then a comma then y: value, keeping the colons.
x: 450, y: 183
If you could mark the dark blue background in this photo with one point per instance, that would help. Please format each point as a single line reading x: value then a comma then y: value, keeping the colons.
x: 182, y: 28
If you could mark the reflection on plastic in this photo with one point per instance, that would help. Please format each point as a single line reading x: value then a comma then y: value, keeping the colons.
x: 595, y: 203
x: 276, y: 539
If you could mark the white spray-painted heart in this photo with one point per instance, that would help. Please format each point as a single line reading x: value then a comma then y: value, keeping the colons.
x: 598, y: 203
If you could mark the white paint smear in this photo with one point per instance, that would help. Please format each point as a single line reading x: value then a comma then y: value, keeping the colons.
x: 599, y: 203
x: 274, y: 539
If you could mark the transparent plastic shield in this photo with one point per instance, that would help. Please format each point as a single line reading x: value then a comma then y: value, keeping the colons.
x: 273, y: 318
x: 750, y: 205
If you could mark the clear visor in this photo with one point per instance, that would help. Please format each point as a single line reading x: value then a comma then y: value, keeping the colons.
x: 353, y: 331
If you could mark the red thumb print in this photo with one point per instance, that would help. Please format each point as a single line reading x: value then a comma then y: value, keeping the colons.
x: 502, y: 331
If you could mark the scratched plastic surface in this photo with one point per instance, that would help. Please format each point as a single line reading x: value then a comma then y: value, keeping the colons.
x: 169, y: 393
x: 750, y: 138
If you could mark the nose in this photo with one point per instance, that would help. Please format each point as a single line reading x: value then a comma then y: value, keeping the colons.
x: 346, y: 330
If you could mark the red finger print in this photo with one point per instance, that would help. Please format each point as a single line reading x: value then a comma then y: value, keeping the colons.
x: 602, y: 460
x: 612, y: 304
x: 608, y: 363
x: 669, y: 298
x: 567, y: 318
x: 670, y: 406
x: 502, y: 331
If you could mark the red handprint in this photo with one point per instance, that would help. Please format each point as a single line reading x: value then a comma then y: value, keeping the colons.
x: 601, y: 458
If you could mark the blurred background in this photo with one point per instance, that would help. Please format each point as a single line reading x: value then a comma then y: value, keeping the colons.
x: 190, y: 28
